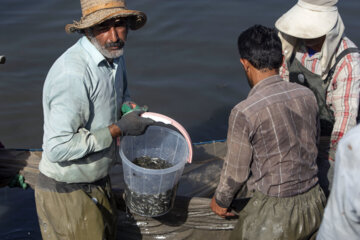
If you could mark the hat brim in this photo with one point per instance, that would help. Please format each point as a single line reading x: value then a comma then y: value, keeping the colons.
x: 137, y: 19
x: 304, y: 23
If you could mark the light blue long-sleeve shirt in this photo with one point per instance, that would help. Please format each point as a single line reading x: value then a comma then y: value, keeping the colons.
x: 82, y: 96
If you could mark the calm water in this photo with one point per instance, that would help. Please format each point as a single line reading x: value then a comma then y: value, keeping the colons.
x: 183, y: 63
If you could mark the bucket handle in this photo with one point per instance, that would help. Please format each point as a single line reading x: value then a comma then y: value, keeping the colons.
x: 164, y: 119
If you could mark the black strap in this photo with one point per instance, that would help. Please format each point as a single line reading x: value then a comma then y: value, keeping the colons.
x: 346, y: 52
x: 332, y: 70
x: 358, y: 116
x: 338, y: 59
x: 125, y: 85
x: 330, y: 75
x: 292, y: 58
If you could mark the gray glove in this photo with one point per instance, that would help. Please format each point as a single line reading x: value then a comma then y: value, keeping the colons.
x: 133, y: 124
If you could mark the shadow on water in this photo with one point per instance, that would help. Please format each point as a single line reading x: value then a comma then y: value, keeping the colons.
x: 127, y: 225
x: 178, y: 215
x: 214, y: 127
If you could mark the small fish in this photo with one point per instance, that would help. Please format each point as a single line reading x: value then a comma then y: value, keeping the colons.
x: 151, y: 162
x: 150, y: 205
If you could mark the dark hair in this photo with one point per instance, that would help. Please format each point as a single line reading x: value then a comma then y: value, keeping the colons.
x: 261, y: 46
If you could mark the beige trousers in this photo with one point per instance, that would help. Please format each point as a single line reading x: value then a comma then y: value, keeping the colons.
x: 78, y: 214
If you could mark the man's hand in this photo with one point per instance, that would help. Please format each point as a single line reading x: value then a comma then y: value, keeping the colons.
x: 130, y: 124
x: 222, y: 212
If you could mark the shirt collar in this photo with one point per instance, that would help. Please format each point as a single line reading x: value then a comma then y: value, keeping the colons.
x: 94, y: 53
x: 264, y: 83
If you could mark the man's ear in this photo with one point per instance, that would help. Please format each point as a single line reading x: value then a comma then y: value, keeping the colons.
x: 245, y: 63
x: 87, y: 32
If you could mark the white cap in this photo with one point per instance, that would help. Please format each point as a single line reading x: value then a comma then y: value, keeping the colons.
x: 309, y: 19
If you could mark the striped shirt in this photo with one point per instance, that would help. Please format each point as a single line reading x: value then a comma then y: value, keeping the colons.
x: 343, y: 91
x: 271, y: 142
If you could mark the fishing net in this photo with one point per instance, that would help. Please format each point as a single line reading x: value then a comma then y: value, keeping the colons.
x: 190, y: 217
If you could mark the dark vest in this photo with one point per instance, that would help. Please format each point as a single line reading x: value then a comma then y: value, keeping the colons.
x: 301, y: 75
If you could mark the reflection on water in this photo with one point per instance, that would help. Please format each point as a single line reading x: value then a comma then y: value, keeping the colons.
x: 183, y: 63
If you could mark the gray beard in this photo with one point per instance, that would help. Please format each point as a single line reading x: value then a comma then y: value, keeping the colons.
x: 106, y: 53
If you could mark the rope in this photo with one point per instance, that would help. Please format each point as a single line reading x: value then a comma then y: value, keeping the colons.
x: 207, y: 142
x: 40, y: 149
x: 25, y: 149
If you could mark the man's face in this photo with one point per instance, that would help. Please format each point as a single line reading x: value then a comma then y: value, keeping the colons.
x: 109, y: 37
x: 314, y: 43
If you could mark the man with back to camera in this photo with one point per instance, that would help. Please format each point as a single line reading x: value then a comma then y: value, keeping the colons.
x: 319, y: 56
x: 272, y: 148
x: 82, y: 98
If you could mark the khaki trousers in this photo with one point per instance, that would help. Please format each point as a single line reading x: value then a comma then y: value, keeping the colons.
x: 76, y: 215
x: 272, y: 218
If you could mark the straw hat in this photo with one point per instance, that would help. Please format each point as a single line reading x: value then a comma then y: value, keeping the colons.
x: 98, y: 11
x: 309, y: 19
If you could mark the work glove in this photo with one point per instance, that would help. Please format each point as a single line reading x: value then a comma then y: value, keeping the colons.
x: 133, y: 124
x: 129, y: 106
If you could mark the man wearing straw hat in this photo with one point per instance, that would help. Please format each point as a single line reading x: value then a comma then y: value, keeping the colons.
x: 82, y: 96
x: 319, y: 56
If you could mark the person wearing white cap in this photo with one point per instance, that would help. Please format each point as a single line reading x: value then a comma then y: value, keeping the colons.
x: 82, y: 98
x: 342, y: 213
x: 319, y: 56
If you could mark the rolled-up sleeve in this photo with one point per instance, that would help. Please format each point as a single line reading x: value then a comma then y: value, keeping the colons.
x: 67, y: 110
x: 237, y: 162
